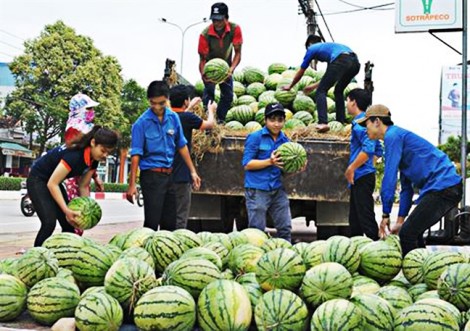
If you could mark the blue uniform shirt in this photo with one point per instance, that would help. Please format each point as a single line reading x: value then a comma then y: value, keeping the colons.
x: 258, y: 146
x: 360, y: 142
x: 421, y: 165
x: 323, y: 52
x: 157, y: 142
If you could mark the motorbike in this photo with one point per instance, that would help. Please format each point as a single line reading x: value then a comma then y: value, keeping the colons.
x: 140, y: 197
x: 27, y: 207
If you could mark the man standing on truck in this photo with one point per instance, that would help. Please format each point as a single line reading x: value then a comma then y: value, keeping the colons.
x: 217, y: 41
x: 343, y: 65
x: 182, y: 105
x: 360, y: 173
x: 422, y: 166
x: 156, y: 136
x: 264, y: 191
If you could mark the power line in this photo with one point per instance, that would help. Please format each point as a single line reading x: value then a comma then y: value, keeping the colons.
x: 324, y: 20
x: 12, y: 46
x: 7, y: 54
x: 11, y: 35
x: 366, y: 8
x: 378, y: 7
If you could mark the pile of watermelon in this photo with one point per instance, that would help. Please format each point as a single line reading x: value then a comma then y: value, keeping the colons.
x: 256, y: 88
x: 238, y: 281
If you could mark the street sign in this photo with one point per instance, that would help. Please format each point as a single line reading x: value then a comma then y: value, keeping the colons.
x: 428, y: 15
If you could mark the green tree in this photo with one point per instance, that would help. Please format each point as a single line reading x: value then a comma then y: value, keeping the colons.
x: 133, y: 103
x: 452, y: 149
x: 54, y: 67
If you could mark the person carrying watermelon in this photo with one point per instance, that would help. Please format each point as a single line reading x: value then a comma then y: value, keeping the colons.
x: 343, y: 65
x: 421, y: 166
x: 157, y: 136
x: 217, y: 41
x: 360, y: 173
x: 79, y: 123
x: 264, y: 192
x: 182, y: 103
x: 47, y: 174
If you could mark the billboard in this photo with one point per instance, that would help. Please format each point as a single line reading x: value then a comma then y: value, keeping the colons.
x: 450, y: 116
x: 425, y: 15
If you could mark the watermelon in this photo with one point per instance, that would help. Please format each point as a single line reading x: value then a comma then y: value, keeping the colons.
x: 272, y: 80
x: 259, y: 117
x: 396, y: 296
x: 330, y: 105
x: 454, y: 285
x: 8, y: 265
x: 303, y: 103
x: 13, y: 293
x: 93, y: 289
x: 52, y: 299
x: 238, y: 238
x: 227, y: 274
x: 289, y: 114
x: 90, y: 212
x: 316, y: 75
x: 450, y: 308
x: 289, y: 73
x: 293, y: 123
x: 331, y: 117
x: 253, y: 75
x: 255, y: 89
x: 188, y: 238
x: 281, y: 310
x: 255, y: 293
x: 380, y: 262
x: 255, y: 236
x: 253, y: 126
x: 301, y: 248
x: 277, y: 68
x: 234, y: 125
x: 285, y: 97
x: 361, y: 241
x: 203, y: 253
x: 293, y: 155
x: 238, y: 76
x: 114, y: 249
x: 400, y: 281
x: 91, y: 265
x: 222, y: 238
x: 394, y: 241
x: 304, y: 116
x: 335, y: 126
x: 425, y: 317
x: 245, y: 100
x: 244, y: 258
x: 377, y: 313
x: 238, y: 89
x: 216, y: 70
x: 273, y: 243
x: 199, y: 88
x: 165, y: 308
x: 205, y: 236
x: 281, y: 268
x: 140, y: 254
x: 224, y: 305
x: 364, y: 285
x: 65, y: 247
x: 417, y: 289
x: 266, y: 99
x: 304, y: 82
x: 324, y: 282
x: 66, y: 274
x: 254, y: 107
x: 36, y: 264
x: 248, y: 278
x: 242, y: 114
x: 313, y: 253
x: 165, y: 248
x: 343, y: 251
x: 413, y: 265
x: 436, y: 263
x: 128, y: 279
x: 98, y: 312
x: 337, y: 314
x: 428, y: 295
x: 136, y: 238
x: 220, y: 250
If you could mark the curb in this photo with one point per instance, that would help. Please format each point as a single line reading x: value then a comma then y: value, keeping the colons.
x: 15, y: 195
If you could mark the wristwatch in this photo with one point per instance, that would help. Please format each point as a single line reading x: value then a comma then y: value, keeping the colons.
x: 385, y: 215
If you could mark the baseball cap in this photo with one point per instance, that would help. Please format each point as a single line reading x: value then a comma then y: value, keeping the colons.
x: 273, y: 108
x: 219, y: 11
x: 374, y: 111
x: 81, y: 100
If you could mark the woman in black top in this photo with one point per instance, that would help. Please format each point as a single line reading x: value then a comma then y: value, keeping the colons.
x: 44, y: 182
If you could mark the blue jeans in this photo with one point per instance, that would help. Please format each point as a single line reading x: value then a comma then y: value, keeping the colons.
x: 226, y: 97
x: 276, y: 203
x: 432, y: 207
x: 341, y: 71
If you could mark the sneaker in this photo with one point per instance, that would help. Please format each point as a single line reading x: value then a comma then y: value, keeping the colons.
x: 322, y: 128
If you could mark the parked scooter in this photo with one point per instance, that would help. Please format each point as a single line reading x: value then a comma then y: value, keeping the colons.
x: 26, y: 205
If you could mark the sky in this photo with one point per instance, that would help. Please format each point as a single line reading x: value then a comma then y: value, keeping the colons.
x: 407, y: 67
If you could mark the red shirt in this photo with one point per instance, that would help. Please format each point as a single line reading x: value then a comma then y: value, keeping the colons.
x: 211, y: 45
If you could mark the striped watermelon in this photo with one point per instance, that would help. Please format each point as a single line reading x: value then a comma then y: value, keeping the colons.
x: 254, y: 107
x: 199, y: 88
x: 289, y: 73
x: 277, y: 68
x: 234, y: 125
x: 417, y: 289
x: 93, y: 289
x: 428, y: 295
x: 118, y: 239
x: 293, y: 155
x: 337, y: 314
x: 137, y: 237
x: 435, y: 264
x: 364, y: 285
x: 8, y: 265
x: 272, y: 80
x: 343, y: 251
x: 253, y: 75
x: 114, y: 249
x: 244, y: 258
x: 326, y: 281
x: 285, y: 97
x: 301, y: 248
x: 252, y: 126
x: 335, y: 126
x: 220, y: 250
x: 293, y: 123
x: 255, y: 236
x: 238, y: 76
x: 91, y: 265
x: 304, y: 82
x: 51, y: 299
x: 281, y: 310
x: 65, y: 247
x: 98, y: 312
x: 303, y: 103
x: 246, y: 100
x: 281, y: 268
x: 380, y: 262
x: 454, y: 285
x: 222, y: 238
x: 304, y: 116
x: 450, y: 308
x: 165, y: 248
x: 237, y: 238
x: 316, y: 75
x: 36, y: 264
x: 224, y: 305
x: 255, y: 293
x: 396, y: 296
x: 425, y: 317
x: 242, y: 114
x: 248, y: 278
x: 259, y: 117
x: 165, y: 308
x: 13, y: 294
x: 377, y: 313
x: 400, y: 281
x: 216, y: 70
x: 393, y: 240
x: 66, y: 274
x: 255, y: 89
x: 139, y: 253
x: 313, y: 253
x: 238, y: 89
x: 266, y: 98
x: 227, y: 274
x: 128, y: 279
x: 273, y: 243
x: 90, y: 212
x: 191, y: 274
x: 413, y: 265
x: 361, y: 241
x: 203, y: 253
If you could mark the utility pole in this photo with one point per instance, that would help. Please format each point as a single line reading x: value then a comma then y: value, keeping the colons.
x: 306, y: 8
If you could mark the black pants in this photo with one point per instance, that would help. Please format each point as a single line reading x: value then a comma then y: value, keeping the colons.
x: 159, y: 200
x: 47, y: 209
x: 432, y: 207
x: 361, y: 208
x: 341, y: 71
